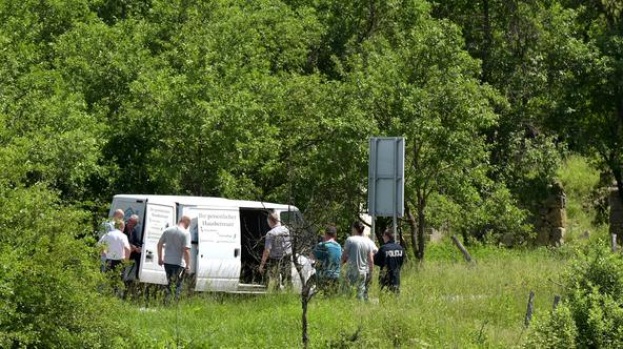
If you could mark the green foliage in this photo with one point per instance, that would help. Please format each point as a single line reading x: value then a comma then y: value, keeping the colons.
x: 556, y: 331
x: 592, y: 315
x: 491, y: 217
x: 48, y: 278
x: 590, y: 113
x: 266, y: 100
x: 516, y: 41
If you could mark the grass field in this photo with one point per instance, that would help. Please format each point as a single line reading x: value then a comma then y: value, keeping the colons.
x: 445, y: 303
x: 579, y: 180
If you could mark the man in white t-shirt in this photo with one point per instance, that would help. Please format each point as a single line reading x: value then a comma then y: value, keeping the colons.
x: 373, y: 247
x: 359, y: 260
x: 117, y: 246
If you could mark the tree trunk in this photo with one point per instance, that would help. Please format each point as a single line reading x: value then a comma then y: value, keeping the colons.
x: 421, y: 226
x: 617, y: 171
x: 401, y: 238
x: 306, y: 286
x: 413, y: 228
x: 304, y: 302
x: 379, y: 228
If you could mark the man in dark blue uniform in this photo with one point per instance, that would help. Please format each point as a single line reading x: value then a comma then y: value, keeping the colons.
x: 390, y: 258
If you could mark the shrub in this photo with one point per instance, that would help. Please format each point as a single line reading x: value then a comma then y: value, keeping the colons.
x: 593, y: 308
x: 48, y: 278
x: 557, y: 331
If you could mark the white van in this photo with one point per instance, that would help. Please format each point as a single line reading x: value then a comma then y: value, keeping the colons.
x: 227, y: 238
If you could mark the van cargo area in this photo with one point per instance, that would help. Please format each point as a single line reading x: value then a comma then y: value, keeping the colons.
x: 253, y: 226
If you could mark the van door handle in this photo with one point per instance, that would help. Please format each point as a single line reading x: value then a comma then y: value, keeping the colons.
x: 236, y: 252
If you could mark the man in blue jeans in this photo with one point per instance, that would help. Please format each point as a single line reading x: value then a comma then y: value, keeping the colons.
x: 176, y: 259
x: 359, y: 261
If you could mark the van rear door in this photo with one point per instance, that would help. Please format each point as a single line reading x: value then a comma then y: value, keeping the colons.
x: 218, y: 257
x: 191, y: 211
x: 129, y: 206
x: 158, y: 217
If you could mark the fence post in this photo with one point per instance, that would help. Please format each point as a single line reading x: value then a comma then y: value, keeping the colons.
x: 556, y: 301
x: 529, y: 309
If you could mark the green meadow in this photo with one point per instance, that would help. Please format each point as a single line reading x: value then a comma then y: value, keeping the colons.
x: 445, y: 303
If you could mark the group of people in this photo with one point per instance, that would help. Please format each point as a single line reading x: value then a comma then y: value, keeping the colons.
x: 122, y: 242
x: 359, y: 256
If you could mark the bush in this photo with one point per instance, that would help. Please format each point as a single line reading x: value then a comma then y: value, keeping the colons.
x: 557, y: 331
x: 49, y: 279
x: 593, y: 308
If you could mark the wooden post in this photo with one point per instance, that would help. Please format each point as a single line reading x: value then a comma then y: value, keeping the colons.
x: 556, y: 301
x: 613, y: 242
x: 529, y: 309
x: 458, y: 244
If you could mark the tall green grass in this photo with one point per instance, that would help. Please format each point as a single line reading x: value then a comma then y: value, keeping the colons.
x: 443, y: 304
x: 579, y: 180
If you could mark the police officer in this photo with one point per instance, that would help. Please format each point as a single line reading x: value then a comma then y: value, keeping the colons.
x: 389, y: 258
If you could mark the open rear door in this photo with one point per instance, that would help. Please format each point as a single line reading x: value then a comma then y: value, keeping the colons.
x: 157, y: 218
x: 129, y: 206
x: 218, y: 257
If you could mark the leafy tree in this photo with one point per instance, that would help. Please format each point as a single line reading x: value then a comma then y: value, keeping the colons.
x: 591, y: 114
x: 416, y: 81
x: 517, y: 43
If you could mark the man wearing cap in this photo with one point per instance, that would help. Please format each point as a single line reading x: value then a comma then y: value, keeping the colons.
x: 328, y: 255
x: 389, y: 258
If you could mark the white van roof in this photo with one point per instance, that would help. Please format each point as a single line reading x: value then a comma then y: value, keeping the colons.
x: 207, y: 201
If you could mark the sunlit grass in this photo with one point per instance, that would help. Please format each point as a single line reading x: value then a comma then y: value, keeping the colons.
x: 444, y: 304
x: 579, y: 180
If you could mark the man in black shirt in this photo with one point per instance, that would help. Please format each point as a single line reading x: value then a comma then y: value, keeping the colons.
x: 133, y: 232
x: 390, y: 258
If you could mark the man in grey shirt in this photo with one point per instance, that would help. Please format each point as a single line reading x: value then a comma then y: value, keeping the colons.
x: 277, y: 253
x: 359, y: 260
x: 176, y: 258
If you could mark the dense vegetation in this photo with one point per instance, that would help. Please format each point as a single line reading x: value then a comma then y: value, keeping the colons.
x: 274, y: 100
